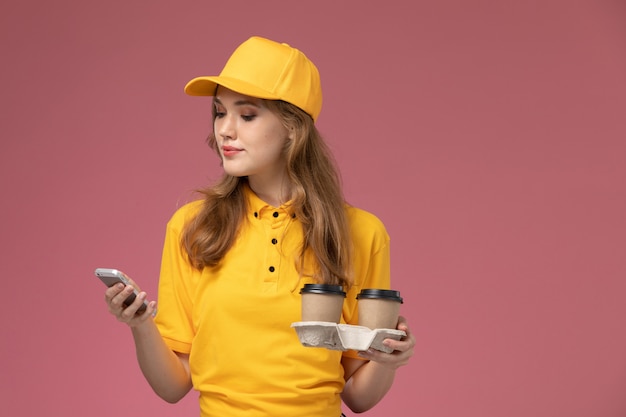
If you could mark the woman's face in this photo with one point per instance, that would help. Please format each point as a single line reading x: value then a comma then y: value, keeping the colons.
x: 250, y: 138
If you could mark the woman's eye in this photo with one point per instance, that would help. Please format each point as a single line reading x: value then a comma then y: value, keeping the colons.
x: 219, y: 114
x: 248, y: 117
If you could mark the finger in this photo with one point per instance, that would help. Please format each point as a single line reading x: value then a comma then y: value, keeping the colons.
x: 138, y: 303
x: 115, y: 297
x: 404, y: 345
x: 399, y: 357
x: 390, y: 360
x: 149, y: 313
x: 138, y: 318
x: 402, y: 324
x: 122, y: 296
x: 117, y: 304
x: 112, y: 291
x: 133, y: 309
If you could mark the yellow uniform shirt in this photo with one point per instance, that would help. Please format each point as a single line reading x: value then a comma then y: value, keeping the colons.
x: 234, y: 319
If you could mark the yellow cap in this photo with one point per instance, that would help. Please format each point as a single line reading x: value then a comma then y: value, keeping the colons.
x: 270, y: 70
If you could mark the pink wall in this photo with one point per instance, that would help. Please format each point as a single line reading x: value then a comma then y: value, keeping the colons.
x: 488, y: 136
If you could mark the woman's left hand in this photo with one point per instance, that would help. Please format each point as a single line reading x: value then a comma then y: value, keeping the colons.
x: 402, y: 349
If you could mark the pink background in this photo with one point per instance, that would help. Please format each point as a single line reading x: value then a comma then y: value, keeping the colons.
x: 488, y: 136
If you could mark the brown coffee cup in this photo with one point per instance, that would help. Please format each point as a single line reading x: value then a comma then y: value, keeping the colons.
x: 322, y: 302
x: 379, y: 309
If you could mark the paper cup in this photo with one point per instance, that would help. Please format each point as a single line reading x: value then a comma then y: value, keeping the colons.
x: 379, y: 309
x: 322, y: 302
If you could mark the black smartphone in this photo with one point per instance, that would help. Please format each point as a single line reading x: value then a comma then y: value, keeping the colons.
x: 110, y: 277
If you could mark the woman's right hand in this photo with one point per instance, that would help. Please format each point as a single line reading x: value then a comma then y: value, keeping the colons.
x: 115, y: 296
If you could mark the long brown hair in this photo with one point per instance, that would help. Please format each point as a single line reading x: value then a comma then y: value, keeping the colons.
x: 316, y: 195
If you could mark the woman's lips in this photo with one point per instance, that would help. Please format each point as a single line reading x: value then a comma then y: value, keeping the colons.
x: 230, y: 150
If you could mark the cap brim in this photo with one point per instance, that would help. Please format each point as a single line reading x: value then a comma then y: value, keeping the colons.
x: 206, y: 86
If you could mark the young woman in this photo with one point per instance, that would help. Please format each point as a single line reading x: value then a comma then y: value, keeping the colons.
x: 235, y: 260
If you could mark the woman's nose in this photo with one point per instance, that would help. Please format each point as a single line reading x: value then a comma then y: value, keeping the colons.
x: 226, y: 127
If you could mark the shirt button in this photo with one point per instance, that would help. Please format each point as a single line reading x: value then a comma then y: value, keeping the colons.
x: 274, y: 241
x: 256, y: 214
x: 275, y: 214
x: 271, y: 269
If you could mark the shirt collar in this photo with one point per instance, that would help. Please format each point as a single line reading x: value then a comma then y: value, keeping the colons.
x: 258, y: 208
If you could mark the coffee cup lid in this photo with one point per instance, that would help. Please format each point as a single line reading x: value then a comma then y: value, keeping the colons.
x: 323, y: 289
x: 391, y: 295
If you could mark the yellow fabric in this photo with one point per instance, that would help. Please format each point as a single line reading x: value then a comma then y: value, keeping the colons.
x: 234, y: 319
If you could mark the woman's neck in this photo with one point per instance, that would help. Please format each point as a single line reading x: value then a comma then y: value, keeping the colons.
x: 274, y: 192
